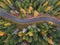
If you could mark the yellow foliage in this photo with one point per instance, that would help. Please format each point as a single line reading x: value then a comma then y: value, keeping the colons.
x: 30, y: 9
x: 2, y: 5
x: 48, y: 8
x: 2, y: 33
x: 9, y: 2
x: 50, y: 22
x: 36, y: 13
x: 58, y: 13
x: 50, y: 41
x: 30, y: 33
x: 20, y: 34
x: 23, y: 38
x: 43, y: 33
x: 23, y: 11
x: 7, y: 24
x: 58, y: 3
x: 46, y: 3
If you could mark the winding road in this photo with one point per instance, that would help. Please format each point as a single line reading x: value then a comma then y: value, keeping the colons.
x: 56, y: 21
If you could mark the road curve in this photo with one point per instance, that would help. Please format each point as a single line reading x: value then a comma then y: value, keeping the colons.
x: 56, y: 21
